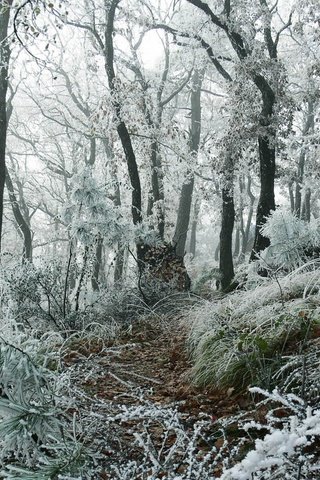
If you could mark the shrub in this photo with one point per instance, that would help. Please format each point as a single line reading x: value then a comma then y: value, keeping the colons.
x: 292, y: 240
x: 38, y: 438
x: 241, y: 339
x: 34, y: 295
x: 289, y: 449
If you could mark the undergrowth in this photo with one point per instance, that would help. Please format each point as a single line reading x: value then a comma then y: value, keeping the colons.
x: 265, y: 335
x: 39, y: 432
x: 246, y: 337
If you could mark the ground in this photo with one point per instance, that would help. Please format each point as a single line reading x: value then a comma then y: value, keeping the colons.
x: 147, y: 365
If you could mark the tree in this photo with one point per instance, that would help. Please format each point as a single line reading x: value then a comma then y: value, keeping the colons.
x: 22, y: 224
x: 194, y: 225
x: 265, y: 73
x: 135, y: 129
x: 5, y: 9
x: 227, y: 224
x: 184, y: 209
x: 121, y: 126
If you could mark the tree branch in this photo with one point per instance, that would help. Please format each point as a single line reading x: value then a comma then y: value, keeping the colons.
x: 285, y: 26
x: 176, y: 91
x: 234, y: 37
x: 202, y: 42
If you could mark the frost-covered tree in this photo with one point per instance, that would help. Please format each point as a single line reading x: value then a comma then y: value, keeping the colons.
x: 259, y: 60
x: 5, y: 10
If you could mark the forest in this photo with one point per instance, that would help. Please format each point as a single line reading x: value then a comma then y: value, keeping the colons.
x: 159, y: 239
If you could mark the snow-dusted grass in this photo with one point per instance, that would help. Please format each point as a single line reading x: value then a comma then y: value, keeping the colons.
x: 241, y: 339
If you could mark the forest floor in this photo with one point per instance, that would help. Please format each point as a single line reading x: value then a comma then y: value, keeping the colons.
x: 147, y: 365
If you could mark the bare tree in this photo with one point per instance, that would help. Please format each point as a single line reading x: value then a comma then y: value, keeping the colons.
x: 5, y: 10
x: 266, y: 83
x: 184, y: 209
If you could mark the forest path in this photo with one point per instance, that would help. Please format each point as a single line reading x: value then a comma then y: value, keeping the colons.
x: 147, y: 367
x: 150, y: 360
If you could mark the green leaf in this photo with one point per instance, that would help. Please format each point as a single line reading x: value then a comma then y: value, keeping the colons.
x: 262, y: 344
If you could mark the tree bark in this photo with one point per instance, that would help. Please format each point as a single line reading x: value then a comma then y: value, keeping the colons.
x: 306, y: 209
x: 93, y: 147
x: 119, y: 265
x: 121, y: 126
x: 291, y: 195
x: 21, y: 222
x: 299, y: 180
x: 249, y: 219
x: 242, y: 232
x: 4, y: 68
x: 217, y: 252
x: 194, y: 224
x: 183, y: 217
x: 236, y: 250
x: 267, y: 161
x: 97, y: 265
x: 157, y: 187
x: 309, y: 125
x: 266, y: 201
x: 227, y: 224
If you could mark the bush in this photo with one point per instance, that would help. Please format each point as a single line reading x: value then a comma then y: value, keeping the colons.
x: 38, y: 437
x: 292, y: 240
x: 241, y: 340
x: 289, y: 449
x: 34, y: 295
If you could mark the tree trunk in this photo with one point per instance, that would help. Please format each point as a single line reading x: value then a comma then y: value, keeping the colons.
x: 183, y: 217
x: 267, y: 157
x: 291, y: 195
x: 266, y: 200
x: 309, y: 125
x: 119, y: 264
x: 242, y: 232
x: 121, y: 126
x: 4, y: 67
x: 22, y: 224
x: 249, y: 219
x: 227, y: 223
x: 97, y: 265
x: 153, y: 116
x: 217, y: 252
x: 81, y: 278
x: 236, y: 250
x: 306, y: 210
x: 299, y: 180
x: 194, y: 224
x: 182, y: 223
x: 120, y: 253
x: 93, y: 148
x: 157, y: 188
x: 95, y: 280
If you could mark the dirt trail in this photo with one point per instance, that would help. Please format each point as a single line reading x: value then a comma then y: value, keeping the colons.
x: 152, y: 359
x: 149, y: 364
